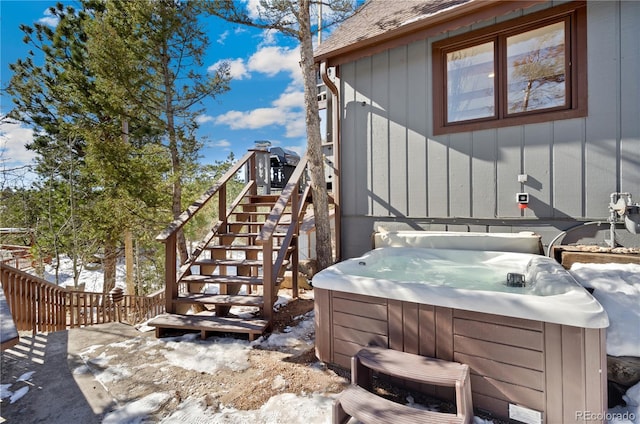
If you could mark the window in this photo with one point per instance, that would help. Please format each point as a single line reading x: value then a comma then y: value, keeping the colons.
x: 531, y: 69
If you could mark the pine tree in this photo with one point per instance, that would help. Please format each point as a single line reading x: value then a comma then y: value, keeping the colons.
x: 293, y: 18
x: 164, y: 44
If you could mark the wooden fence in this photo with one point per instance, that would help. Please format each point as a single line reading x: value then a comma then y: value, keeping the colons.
x: 40, y: 306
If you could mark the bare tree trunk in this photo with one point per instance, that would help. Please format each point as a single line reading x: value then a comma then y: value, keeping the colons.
x: 176, y: 205
x: 314, y: 140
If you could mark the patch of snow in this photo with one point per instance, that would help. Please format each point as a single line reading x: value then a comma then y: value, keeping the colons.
x: 138, y: 411
x: 4, y: 391
x: 617, y: 288
x: 89, y: 350
x: 82, y: 369
x: 279, y: 383
x: 284, y: 408
x: 92, y: 279
x: 144, y: 328
x: 102, y: 360
x: 190, y: 411
x: 478, y: 420
x: 295, y: 339
x: 207, y: 355
x: 26, y: 376
x: 17, y: 395
x: 113, y: 373
x: 629, y: 414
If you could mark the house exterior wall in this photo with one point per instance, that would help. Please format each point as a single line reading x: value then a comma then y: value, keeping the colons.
x: 396, y: 174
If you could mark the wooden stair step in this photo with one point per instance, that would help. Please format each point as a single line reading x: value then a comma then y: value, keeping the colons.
x: 247, y: 234
x: 222, y: 299
x: 246, y: 223
x: 372, y: 409
x: 229, y: 262
x: 226, y: 279
x: 259, y: 204
x: 222, y: 279
x: 273, y: 197
x: 412, y: 367
x: 208, y: 323
x: 239, y: 247
x: 243, y: 223
x: 255, y: 213
x: 235, y: 247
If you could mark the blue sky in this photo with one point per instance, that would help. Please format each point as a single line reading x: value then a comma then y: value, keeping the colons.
x: 265, y: 101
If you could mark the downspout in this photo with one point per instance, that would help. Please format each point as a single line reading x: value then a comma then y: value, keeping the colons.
x: 335, y: 135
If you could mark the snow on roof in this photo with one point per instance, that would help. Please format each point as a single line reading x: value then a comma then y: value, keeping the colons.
x: 377, y: 17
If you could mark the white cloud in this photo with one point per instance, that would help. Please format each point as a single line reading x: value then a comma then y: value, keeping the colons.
x: 256, y: 11
x: 13, y: 137
x: 290, y: 99
x: 222, y: 37
x: 254, y: 8
x: 49, y: 19
x: 237, y: 68
x: 286, y: 111
x: 300, y: 149
x: 271, y: 60
x: 222, y: 143
x: 257, y: 118
x: 268, y: 37
x: 202, y: 119
x: 296, y: 125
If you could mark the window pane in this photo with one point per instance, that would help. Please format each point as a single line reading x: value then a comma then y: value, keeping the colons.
x: 536, y: 74
x: 470, y: 83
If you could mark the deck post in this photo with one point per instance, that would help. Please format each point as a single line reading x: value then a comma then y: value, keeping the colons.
x: 267, y: 278
x: 295, y: 221
x: 170, y: 270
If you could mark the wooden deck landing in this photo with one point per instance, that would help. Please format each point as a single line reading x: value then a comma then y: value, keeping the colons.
x: 208, y: 324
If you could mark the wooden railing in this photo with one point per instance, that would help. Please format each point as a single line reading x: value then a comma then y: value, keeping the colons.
x: 40, y: 306
x: 271, y: 271
x: 169, y: 235
x: 20, y: 256
x: 87, y: 308
x: 35, y: 304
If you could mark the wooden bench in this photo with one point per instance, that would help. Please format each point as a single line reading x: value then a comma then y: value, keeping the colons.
x: 359, y: 402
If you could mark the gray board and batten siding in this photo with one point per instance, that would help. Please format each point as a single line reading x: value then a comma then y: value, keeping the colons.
x: 396, y: 174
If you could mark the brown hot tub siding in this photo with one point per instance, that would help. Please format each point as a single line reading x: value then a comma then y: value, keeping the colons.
x: 547, y: 367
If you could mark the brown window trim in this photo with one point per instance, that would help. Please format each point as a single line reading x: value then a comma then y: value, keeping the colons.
x: 577, y: 90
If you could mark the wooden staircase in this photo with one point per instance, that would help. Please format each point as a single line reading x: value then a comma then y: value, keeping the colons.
x: 241, y: 262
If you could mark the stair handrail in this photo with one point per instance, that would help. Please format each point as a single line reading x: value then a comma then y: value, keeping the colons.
x: 271, y: 270
x: 169, y: 235
x: 185, y: 216
x: 214, y: 230
x: 289, y: 190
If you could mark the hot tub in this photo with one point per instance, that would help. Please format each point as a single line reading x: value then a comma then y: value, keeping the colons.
x: 510, y: 284
x: 532, y: 336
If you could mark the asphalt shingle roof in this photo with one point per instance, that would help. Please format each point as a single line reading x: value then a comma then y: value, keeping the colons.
x: 377, y: 17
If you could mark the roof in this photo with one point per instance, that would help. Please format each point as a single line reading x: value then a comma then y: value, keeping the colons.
x: 381, y: 24
x: 379, y: 17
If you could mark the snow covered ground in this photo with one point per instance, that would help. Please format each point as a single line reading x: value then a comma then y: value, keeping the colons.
x: 617, y: 288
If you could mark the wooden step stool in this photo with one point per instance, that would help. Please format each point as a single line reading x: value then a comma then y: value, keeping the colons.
x: 357, y: 400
